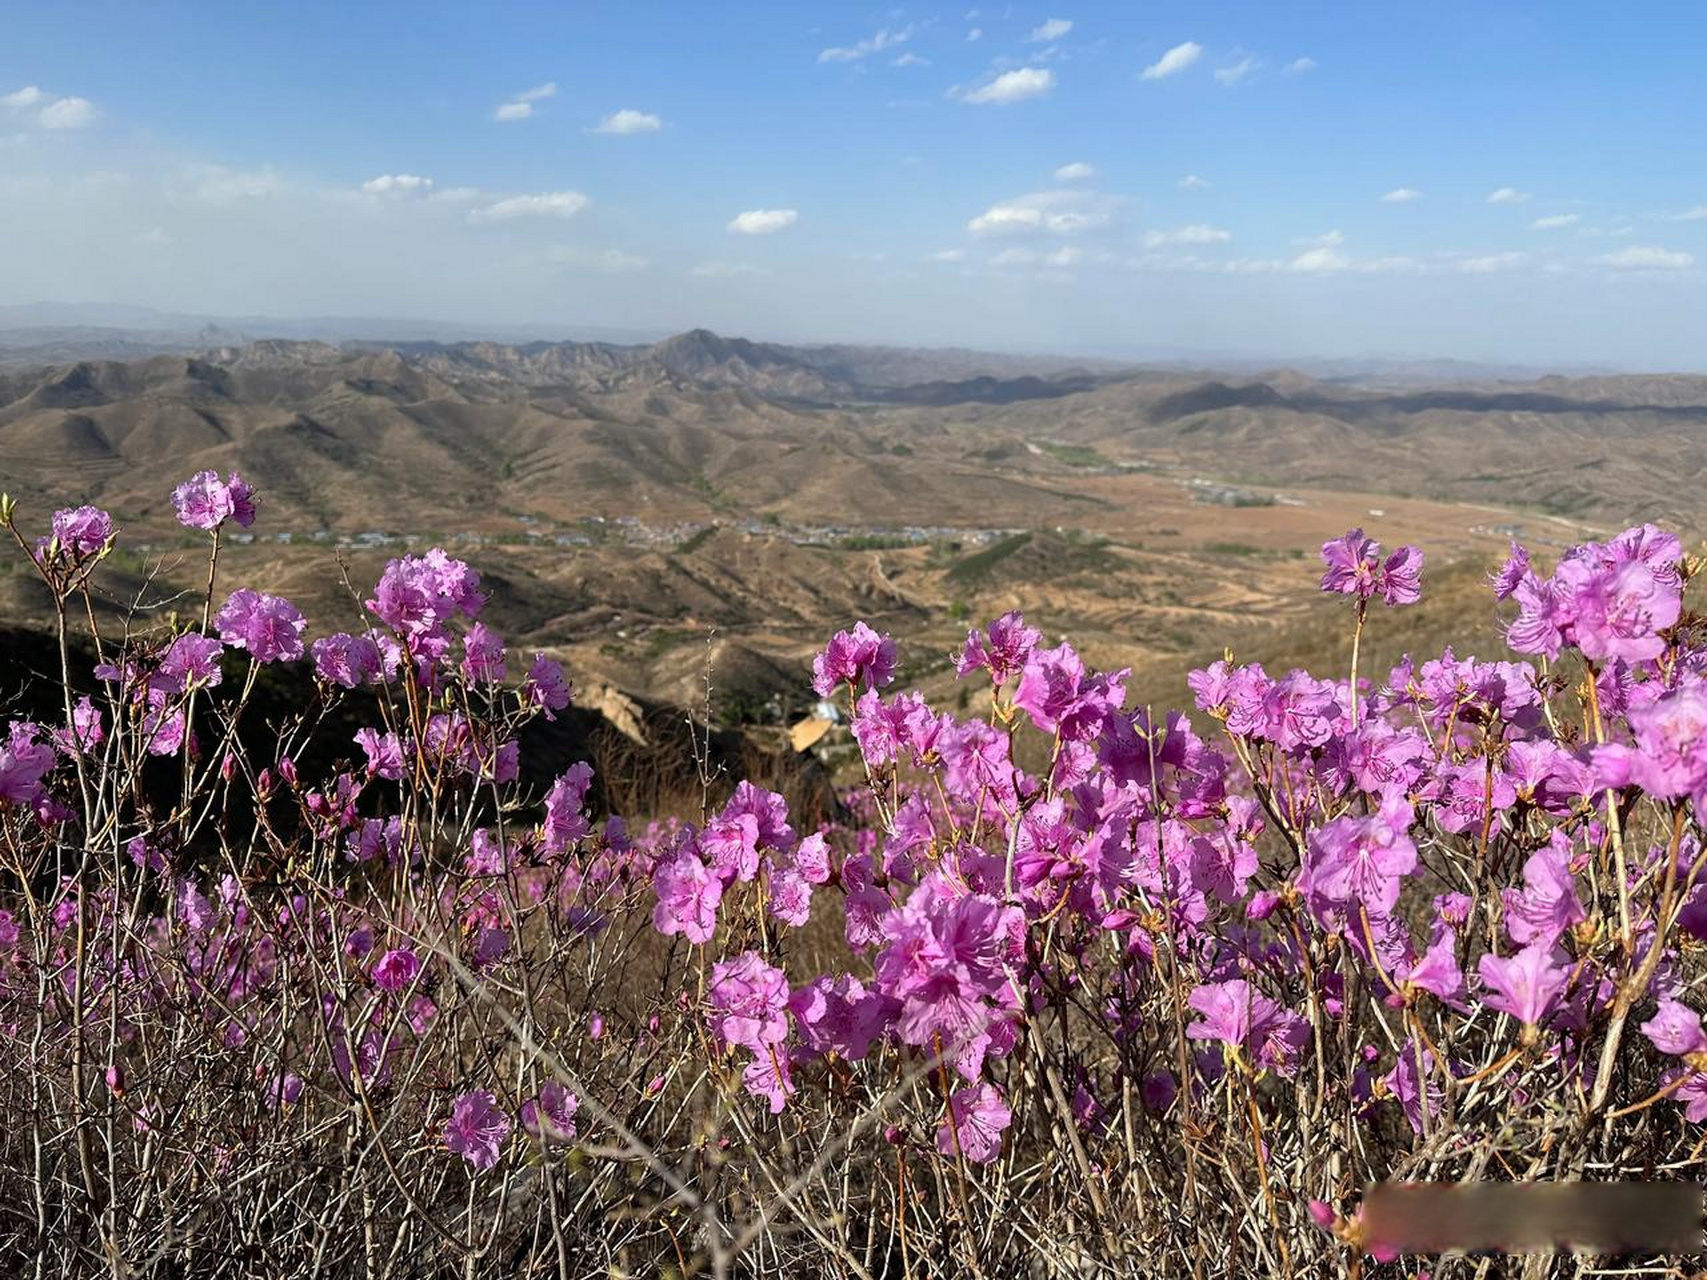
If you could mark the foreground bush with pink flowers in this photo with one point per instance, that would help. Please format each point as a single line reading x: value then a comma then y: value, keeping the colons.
x: 1164, y: 1006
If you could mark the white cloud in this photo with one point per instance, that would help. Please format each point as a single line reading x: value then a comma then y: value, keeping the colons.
x: 1058, y: 213
x: 1507, y: 195
x: 68, y: 113
x: 1075, y: 172
x: 1321, y: 259
x: 1401, y: 195
x: 1012, y: 86
x: 1194, y: 234
x: 557, y: 204
x: 396, y: 184
x: 609, y: 262
x: 1491, y: 262
x: 725, y: 270
x: 885, y: 39
x: 1298, y: 66
x: 28, y: 96
x: 910, y: 59
x: 1050, y: 31
x: 1191, y: 182
x: 1327, y: 240
x: 1065, y: 256
x: 1175, y: 59
x: 219, y: 185
x: 1639, y: 258
x: 520, y: 106
x: 1554, y: 222
x: 947, y: 255
x: 761, y: 222
x: 1697, y: 214
x: 627, y: 121
x: 977, y: 33
x: 1237, y: 72
x: 1325, y: 260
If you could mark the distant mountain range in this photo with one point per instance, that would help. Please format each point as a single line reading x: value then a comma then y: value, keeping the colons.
x: 430, y: 434
x: 45, y: 332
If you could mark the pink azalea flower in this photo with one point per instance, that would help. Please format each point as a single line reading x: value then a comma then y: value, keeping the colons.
x: 977, y: 1118
x: 82, y: 531
x: 1527, y: 985
x: 551, y: 1116
x: 477, y: 1128
x: 269, y: 627
x: 396, y: 969
x: 750, y: 998
x: 859, y: 658
x: 546, y: 687
x: 204, y: 501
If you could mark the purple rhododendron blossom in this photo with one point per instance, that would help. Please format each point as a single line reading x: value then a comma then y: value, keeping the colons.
x: 1675, y: 1029
x: 483, y: 655
x: 396, y: 969
x: 192, y: 660
x: 1002, y: 650
x: 750, y: 998
x: 1527, y: 985
x: 204, y: 501
x: 477, y: 1128
x: 860, y: 658
x: 546, y: 687
x: 24, y: 762
x: 977, y: 1117
x: 269, y: 627
x: 1355, y: 568
x: 82, y: 531
x: 688, y: 895
x: 347, y: 660
x: 550, y: 1117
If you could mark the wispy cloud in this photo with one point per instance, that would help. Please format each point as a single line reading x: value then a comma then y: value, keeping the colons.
x: 549, y: 204
x: 1078, y: 171
x: 762, y: 222
x: 520, y: 106
x: 1060, y: 213
x: 1488, y: 263
x: 726, y: 270
x: 1237, y: 72
x: 1191, y: 182
x: 884, y: 39
x: 1298, y: 66
x: 1642, y: 258
x: 1327, y: 240
x: 1697, y: 214
x: 68, y: 113
x: 1050, y: 31
x: 1401, y: 195
x: 1174, y: 60
x: 29, y: 96
x: 910, y: 59
x: 627, y: 121
x: 947, y: 255
x: 1554, y: 221
x: 976, y: 33
x: 608, y: 262
x: 1194, y: 234
x: 1010, y: 86
x: 396, y: 184
x: 1507, y: 195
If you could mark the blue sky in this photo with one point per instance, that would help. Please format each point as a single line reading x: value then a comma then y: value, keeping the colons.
x: 1514, y: 181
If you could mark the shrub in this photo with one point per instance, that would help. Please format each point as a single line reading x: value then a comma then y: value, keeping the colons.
x: 1165, y: 1007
